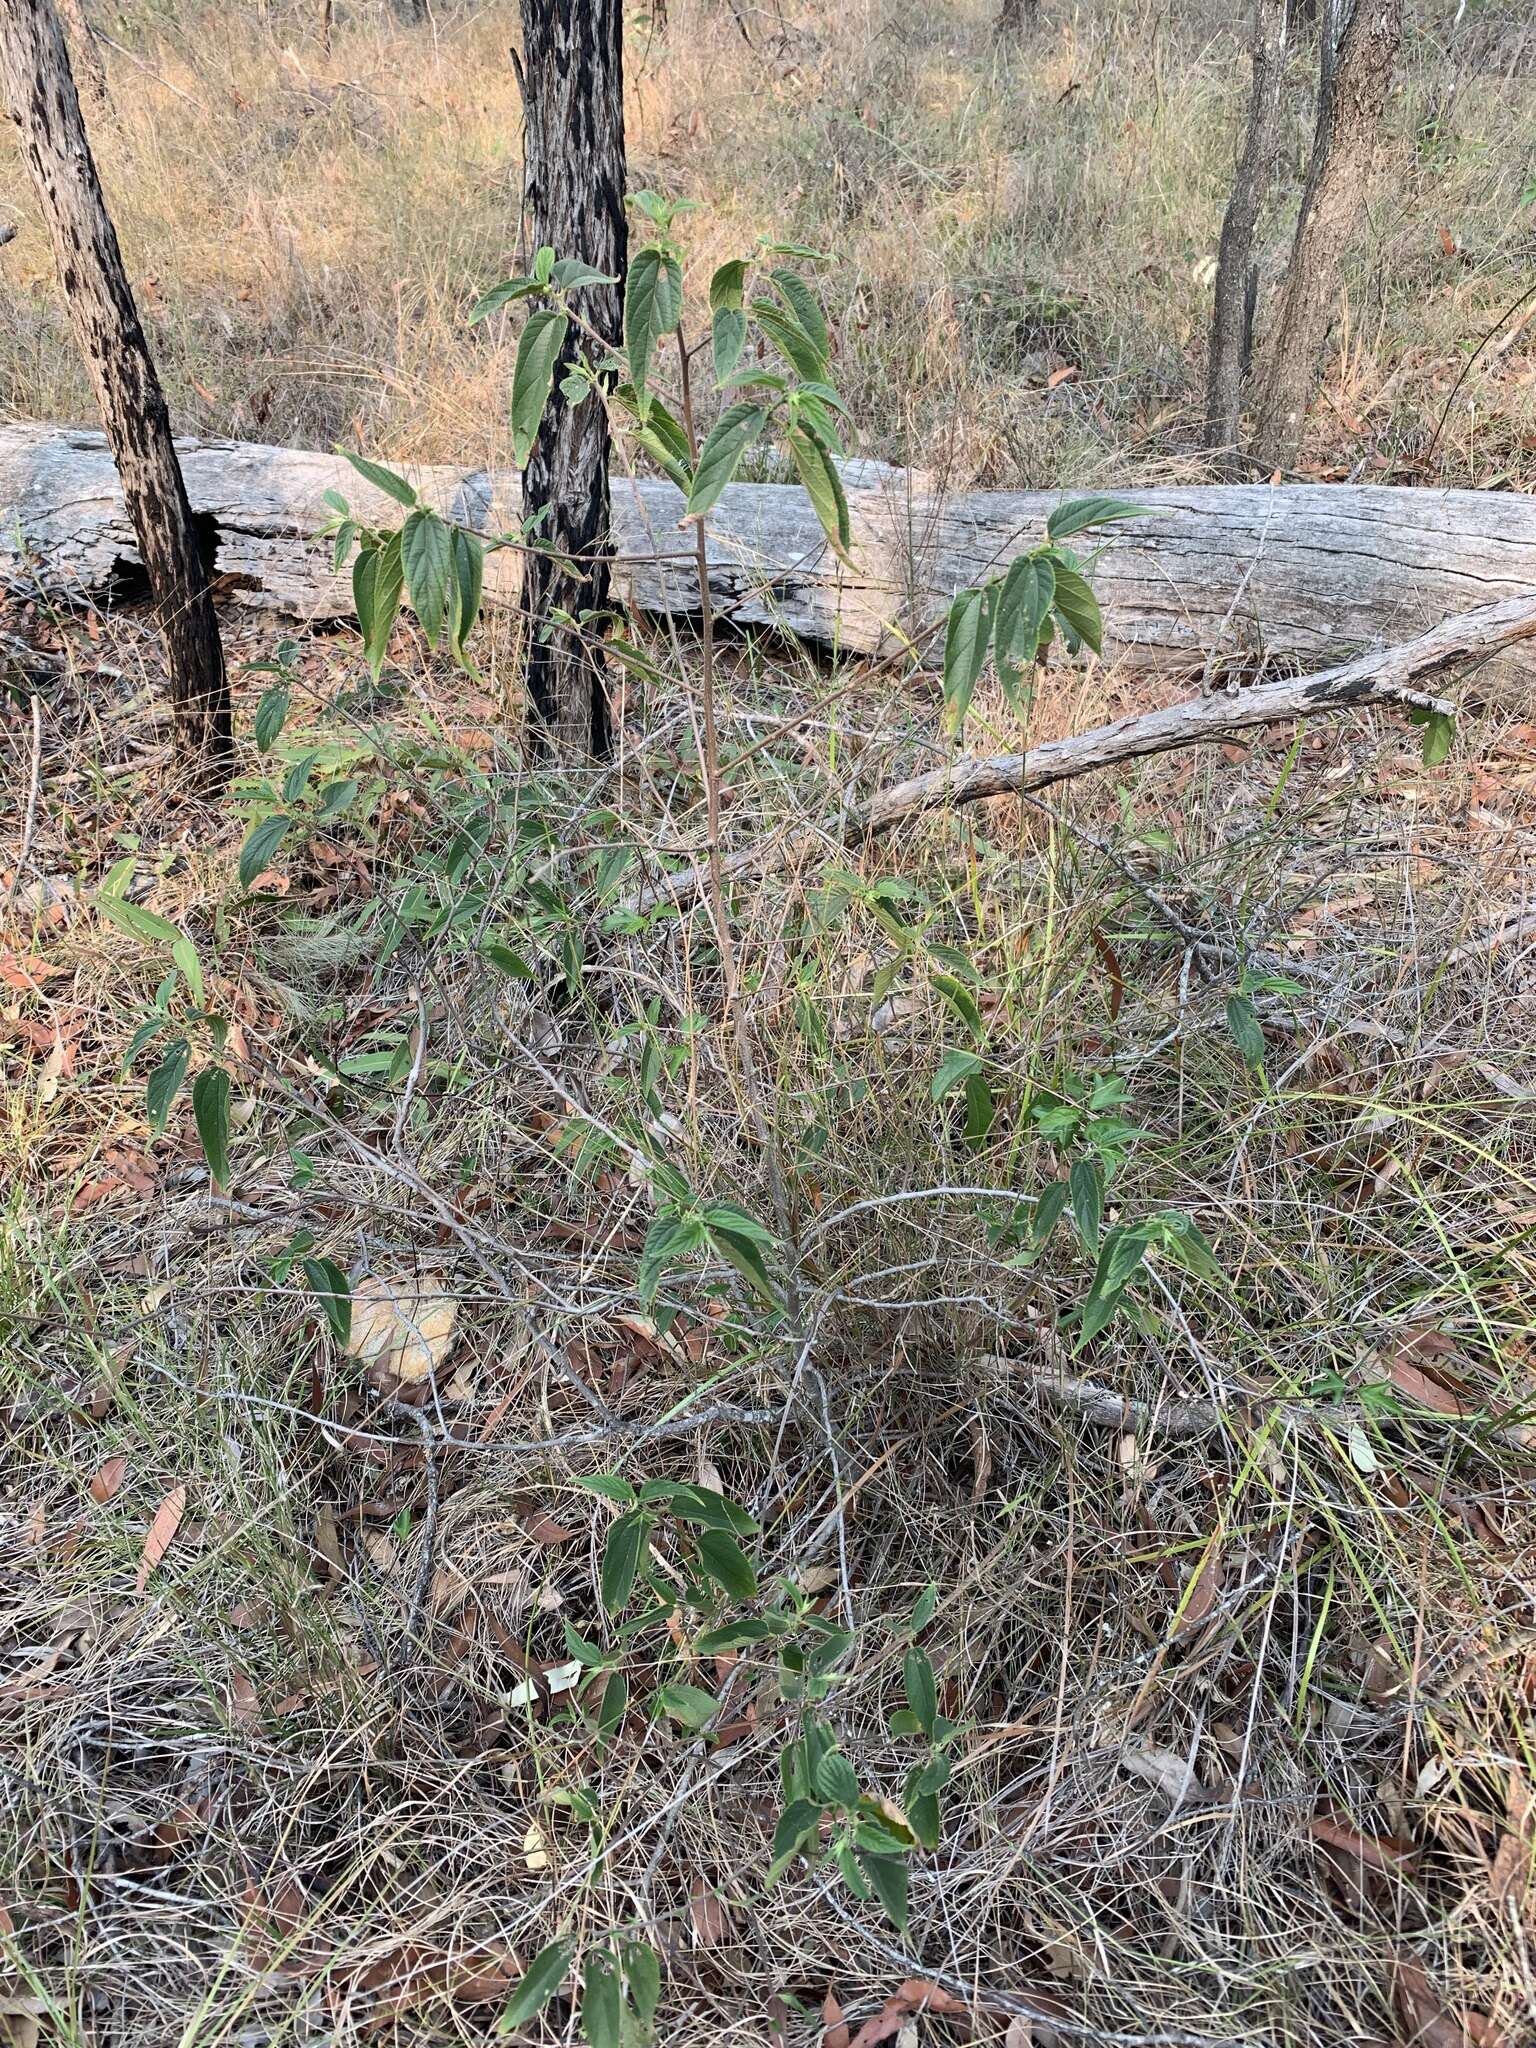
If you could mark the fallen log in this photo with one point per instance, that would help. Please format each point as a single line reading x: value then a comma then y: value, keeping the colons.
x: 1387, y: 676
x: 1220, y: 577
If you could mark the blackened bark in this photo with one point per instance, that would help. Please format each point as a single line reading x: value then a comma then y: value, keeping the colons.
x: 34, y: 69
x: 90, y: 72
x: 1236, y: 281
x: 1357, y: 75
x: 574, y: 157
x: 1017, y: 17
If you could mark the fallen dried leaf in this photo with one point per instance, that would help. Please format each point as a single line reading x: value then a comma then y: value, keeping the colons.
x: 244, y: 1704
x: 834, y: 2026
x: 107, y: 1479
x: 544, y: 1529
x: 709, y: 1915
x: 162, y: 1531
x: 1426, y: 2021
x: 1379, y: 1851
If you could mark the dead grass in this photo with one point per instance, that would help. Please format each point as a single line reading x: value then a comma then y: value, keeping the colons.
x: 1248, y: 1754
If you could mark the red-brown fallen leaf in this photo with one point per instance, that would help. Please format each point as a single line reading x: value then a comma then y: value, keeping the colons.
x: 1205, y: 1591
x: 244, y: 1703
x: 1067, y: 374
x: 1110, y: 961
x: 834, y: 2026
x: 1410, y: 1380
x: 107, y: 1479
x: 710, y: 1915
x: 1426, y: 2022
x: 1447, y: 242
x: 23, y: 971
x: 162, y: 1531
x: 914, y: 1996
x: 1379, y: 1851
x: 541, y: 1525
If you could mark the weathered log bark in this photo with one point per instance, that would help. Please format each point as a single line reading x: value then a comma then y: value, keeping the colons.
x: 1223, y: 577
x: 573, y: 63
x: 35, y: 73
x: 1236, y: 279
x: 1356, y: 76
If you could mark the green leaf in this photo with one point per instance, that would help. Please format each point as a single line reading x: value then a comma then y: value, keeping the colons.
x: 689, y: 1704
x: 723, y: 1558
x: 138, y: 922
x: 261, y: 843
x: 791, y: 340
x: 797, y: 1823
x: 1075, y: 604
x: 1122, y: 1252
x: 728, y: 286
x: 210, y: 1110
x: 1247, y: 1032
x: 382, y: 479
x: 1439, y: 738
x: 923, y: 1814
x: 921, y: 1690
x: 817, y: 470
x: 501, y: 295
x: 466, y: 563
x: 670, y: 1238
x: 745, y: 1254
x: 956, y: 1066
x: 610, y: 1487
x: 426, y: 558
x: 377, y: 578
x: 642, y: 1973
x: 653, y: 305
x: 960, y: 1000
x: 505, y: 961
x: 1048, y: 1211
x: 965, y: 650
x: 806, y: 308
x: 888, y: 1876
x: 621, y: 1558
x: 541, y: 1980
x: 837, y: 1780
x: 1184, y: 1241
x: 732, y: 434
x: 570, y: 273
x: 601, y: 2001
x: 924, y: 1608
x: 736, y: 1635
x: 184, y: 954
x: 334, y: 1294
x: 1023, y: 605
x: 1077, y: 513
x: 165, y: 1082
x: 728, y: 337
x: 614, y: 1705
x: 271, y: 716
x: 538, y: 351
x: 1087, y: 1188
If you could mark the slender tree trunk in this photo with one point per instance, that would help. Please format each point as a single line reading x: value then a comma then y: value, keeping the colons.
x: 1236, y: 278
x: 90, y: 72
x: 1017, y: 17
x: 34, y: 69
x: 1357, y: 74
x: 574, y: 158
x: 326, y: 9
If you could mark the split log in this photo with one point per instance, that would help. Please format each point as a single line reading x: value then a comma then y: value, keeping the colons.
x: 1220, y: 577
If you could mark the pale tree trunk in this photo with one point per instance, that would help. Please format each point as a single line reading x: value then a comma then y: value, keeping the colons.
x: 34, y: 69
x: 90, y: 72
x: 574, y: 157
x: 1357, y: 74
x: 1236, y: 280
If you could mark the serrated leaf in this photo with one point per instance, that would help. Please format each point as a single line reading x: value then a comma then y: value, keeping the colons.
x: 1247, y: 1032
x: 504, y: 294
x: 165, y: 1082
x: 727, y: 286
x: 653, y: 304
x: 642, y: 1974
x: 533, y: 377
x: 271, y: 716
x: 621, y: 1558
x: 732, y: 434
x: 817, y: 470
x: 1076, y: 605
x: 1122, y: 1252
x: 888, y: 1877
x: 382, y: 479
x: 609, y: 1486
x: 1023, y: 605
x: 791, y: 340
x: 571, y: 274
x: 689, y: 1704
x: 377, y: 579
x: 1079, y: 513
x: 334, y: 1294
x: 837, y: 1780
x: 260, y: 845
x: 966, y: 635
x: 541, y: 1980
x: 1086, y: 1183
x: 724, y: 1560
x: 920, y: 1687
x: 425, y: 558
x: 466, y: 563
x: 210, y: 1111
x: 806, y: 308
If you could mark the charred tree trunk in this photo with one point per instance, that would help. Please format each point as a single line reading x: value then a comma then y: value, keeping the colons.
x: 90, y: 72
x: 574, y: 158
x: 34, y: 68
x: 1017, y: 17
x: 1356, y: 76
x: 1236, y: 280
